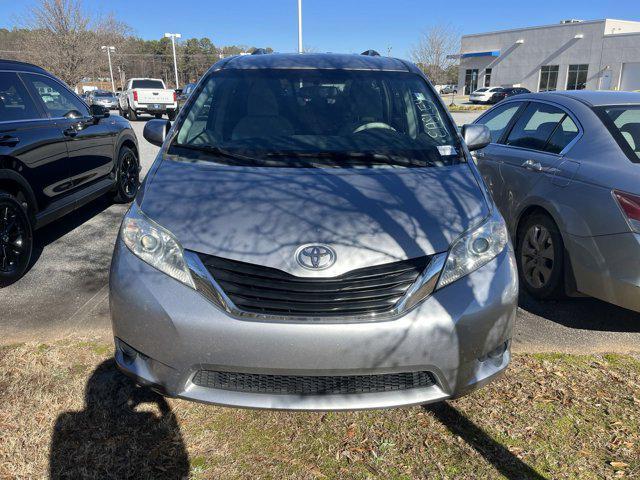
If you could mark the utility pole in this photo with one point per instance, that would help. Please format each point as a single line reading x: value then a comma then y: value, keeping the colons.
x: 299, y: 26
x: 110, y: 49
x: 173, y: 37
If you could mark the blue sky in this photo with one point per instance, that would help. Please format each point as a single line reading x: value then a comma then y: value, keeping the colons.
x: 335, y: 25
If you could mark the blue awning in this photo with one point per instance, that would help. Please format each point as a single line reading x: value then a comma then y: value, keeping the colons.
x: 493, y: 53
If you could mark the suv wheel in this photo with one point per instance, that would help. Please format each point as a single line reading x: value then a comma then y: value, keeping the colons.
x: 16, y: 239
x: 540, y: 256
x: 172, y: 115
x: 127, y: 176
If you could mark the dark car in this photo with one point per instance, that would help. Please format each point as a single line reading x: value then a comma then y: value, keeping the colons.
x: 184, y: 94
x: 56, y: 154
x: 506, y: 92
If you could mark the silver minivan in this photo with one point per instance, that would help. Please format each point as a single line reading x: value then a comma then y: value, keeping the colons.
x: 313, y: 235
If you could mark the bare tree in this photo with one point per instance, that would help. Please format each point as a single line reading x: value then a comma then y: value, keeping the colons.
x: 66, y: 40
x: 431, y: 51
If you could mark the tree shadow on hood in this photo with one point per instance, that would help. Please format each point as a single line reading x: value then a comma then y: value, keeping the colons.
x: 124, y: 431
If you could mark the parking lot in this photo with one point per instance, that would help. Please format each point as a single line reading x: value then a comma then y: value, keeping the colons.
x: 65, y: 293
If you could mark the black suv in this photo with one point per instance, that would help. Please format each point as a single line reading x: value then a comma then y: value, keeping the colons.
x: 56, y: 154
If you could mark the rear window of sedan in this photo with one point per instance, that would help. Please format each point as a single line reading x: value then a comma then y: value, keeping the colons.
x: 624, y: 124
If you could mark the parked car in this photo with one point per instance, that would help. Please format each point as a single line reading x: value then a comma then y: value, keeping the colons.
x: 564, y: 168
x: 483, y: 95
x: 106, y: 99
x: 184, y: 94
x: 506, y: 92
x: 313, y: 235
x: 147, y: 95
x: 447, y: 89
x: 56, y: 154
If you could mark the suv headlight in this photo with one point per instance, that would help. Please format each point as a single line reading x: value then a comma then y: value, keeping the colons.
x: 154, y: 245
x: 474, y: 249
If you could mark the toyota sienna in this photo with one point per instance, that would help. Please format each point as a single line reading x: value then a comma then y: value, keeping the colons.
x: 313, y: 235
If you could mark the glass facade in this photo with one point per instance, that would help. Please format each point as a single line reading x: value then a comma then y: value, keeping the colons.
x: 548, y: 78
x: 470, y: 80
x: 577, y: 78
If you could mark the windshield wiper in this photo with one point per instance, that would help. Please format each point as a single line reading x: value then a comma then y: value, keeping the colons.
x: 352, y: 157
x: 218, y: 151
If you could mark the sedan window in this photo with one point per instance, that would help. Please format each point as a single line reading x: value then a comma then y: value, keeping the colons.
x: 624, y: 124
x: 497, y: 119
x: 536, y: 126
x: 564, y: 133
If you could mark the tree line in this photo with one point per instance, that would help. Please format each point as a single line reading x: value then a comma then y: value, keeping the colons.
x: 66, y: 39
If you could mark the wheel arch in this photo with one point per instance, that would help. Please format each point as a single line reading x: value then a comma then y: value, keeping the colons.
x: 14, y: 183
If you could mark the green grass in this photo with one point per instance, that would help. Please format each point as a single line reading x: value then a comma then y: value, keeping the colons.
x: 67, y: 409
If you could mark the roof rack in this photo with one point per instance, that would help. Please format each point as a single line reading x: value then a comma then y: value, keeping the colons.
x: 260, y: 51
x: 370, y: 53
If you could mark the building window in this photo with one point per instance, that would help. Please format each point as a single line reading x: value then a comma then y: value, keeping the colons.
x: 548, y: 78
x: 470, y: 80
x: 487, y: 77
x: 577, y: 79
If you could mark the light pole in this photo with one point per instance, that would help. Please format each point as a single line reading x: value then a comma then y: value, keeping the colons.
x: 299, y: 26
x: 110, y: 49
x: 173, y: 37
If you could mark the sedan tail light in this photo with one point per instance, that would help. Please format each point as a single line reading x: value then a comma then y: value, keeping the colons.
x: 630, y: 206
x: 135, y: 96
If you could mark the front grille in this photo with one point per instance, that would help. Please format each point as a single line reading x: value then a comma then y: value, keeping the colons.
x: 265, y: 290
x: 312, y: 385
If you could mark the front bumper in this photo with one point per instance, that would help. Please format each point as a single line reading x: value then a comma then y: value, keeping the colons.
x: 178, y: 332
x: 607, y: 267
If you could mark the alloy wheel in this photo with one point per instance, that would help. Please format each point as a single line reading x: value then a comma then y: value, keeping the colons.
x: 129, y: 172
x: 537, y: 256
x: 13, y: 239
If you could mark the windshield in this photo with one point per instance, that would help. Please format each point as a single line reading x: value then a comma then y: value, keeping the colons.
x: 624, y: 123
x: 333, y: 118
x: 103, y: 94
x: 147, y: 84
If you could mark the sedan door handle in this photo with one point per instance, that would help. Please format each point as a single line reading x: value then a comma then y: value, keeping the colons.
x: 532, y: 165
x: 9, y: 141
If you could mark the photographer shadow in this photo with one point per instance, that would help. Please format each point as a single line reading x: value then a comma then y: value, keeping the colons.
x: 124, y: 431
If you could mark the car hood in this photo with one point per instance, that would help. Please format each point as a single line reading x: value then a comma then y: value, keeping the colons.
x: 263, y: 215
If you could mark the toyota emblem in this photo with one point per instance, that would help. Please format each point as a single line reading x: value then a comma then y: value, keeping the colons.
x: 315, y: 257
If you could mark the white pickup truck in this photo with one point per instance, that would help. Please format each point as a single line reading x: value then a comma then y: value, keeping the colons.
x: 147, y: 95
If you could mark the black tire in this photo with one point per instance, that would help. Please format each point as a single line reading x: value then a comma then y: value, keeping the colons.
x: 127, y: 176
x: 158, y: 115
x: 132, y: 115
x: 16, y: 239
x: 540, y: 257
x: 172, y: 115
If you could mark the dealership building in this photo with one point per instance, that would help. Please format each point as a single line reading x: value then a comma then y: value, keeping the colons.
x: 571, y: 55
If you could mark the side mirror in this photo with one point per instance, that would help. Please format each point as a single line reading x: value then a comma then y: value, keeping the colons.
x: 155, y: 131
x: 98, y: 111
x: 476, y: 136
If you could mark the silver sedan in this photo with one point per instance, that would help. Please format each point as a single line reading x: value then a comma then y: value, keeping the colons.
x: 564, y: 169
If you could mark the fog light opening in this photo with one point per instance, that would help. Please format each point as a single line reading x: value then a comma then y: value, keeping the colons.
x: 496, y: 353
x: 129, y: 354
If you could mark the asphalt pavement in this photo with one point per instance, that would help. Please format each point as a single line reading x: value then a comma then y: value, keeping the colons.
x: 65, y: 293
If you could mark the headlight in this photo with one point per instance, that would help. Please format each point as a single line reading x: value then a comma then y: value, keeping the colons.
x: 474, y: 249
x: 155, y: 245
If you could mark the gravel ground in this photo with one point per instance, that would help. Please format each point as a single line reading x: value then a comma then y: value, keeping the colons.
x: 66, y: 292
